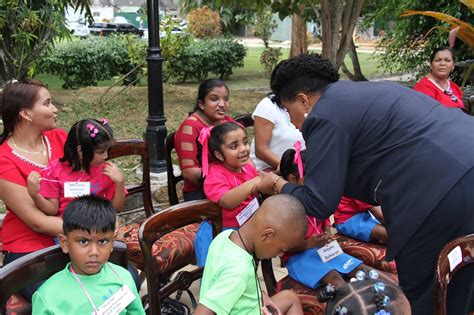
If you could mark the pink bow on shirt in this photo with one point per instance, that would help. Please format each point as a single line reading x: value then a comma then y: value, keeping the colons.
x: 203, y: 140
x: 298, y: 160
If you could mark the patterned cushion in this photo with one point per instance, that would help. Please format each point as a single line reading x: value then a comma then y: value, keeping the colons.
x: 372, y: 255
x: 17, y: 305
x: 172, y: 251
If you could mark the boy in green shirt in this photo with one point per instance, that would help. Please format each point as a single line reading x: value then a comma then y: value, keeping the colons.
x: 230, y: 283
x: 89, y: 284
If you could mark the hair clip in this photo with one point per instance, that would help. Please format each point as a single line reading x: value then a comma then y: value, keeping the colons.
x: 327, y: 294
x: 12, y: 81
x: 382, y: 312
x: 298, y: 160
x: 104, y: 121
x: 203, y: 140
x: 341, y: 310
x: 93, y: 130
x: 379, y: 287
x: 362, y: 275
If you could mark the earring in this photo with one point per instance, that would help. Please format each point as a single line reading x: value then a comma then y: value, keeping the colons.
x: 305, y: 115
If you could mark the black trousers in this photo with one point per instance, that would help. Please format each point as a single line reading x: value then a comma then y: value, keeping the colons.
x: 416, y: 263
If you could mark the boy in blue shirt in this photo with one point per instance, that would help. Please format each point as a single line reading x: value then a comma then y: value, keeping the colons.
x: 89, y: 284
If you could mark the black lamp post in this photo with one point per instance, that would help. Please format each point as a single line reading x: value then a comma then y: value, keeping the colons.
x: 155, y: 133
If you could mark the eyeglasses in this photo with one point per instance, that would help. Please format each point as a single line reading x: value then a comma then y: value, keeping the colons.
x: 450, y: 93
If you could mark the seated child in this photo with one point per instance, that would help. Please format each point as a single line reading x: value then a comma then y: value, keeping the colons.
x: 368, y: 297
x: 305, y: 265
x: 230, y: 181
x: 360, y: 220
x: 81, y: 171
x: 230, y: 283
x: 89, y: 284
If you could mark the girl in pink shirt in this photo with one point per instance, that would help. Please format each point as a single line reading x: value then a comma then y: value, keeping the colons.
x: 230, y: 180
x: 82, y: 170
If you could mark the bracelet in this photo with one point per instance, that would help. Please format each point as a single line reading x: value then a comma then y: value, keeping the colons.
x: 275, y: 192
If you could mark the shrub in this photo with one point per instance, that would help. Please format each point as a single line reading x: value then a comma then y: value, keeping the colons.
x: 269, y: 58
x: 172, y: 45
x: 85, y: 62
x: 205, y: 23
x: 217, y: 56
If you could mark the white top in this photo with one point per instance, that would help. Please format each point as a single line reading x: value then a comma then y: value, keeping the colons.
x: 284, y: 134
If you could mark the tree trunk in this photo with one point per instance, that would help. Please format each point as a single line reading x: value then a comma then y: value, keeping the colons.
x: 338, y: 20
x: 299, y: 44
x: 357, y: 75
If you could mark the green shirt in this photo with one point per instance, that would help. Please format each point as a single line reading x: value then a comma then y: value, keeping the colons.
x: 229, y: 284
x: 62, y: 294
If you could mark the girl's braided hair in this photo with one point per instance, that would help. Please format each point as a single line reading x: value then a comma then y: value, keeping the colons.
x: 360, y: 297
x: 304, y: 73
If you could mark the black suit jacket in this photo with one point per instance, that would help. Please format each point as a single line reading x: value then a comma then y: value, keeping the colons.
x: 384, y: 144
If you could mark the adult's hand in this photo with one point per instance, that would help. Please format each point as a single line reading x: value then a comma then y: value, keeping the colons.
x: 267, y: 181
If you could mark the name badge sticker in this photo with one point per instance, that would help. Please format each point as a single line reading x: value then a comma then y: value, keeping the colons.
x: 117, y: 302
x: 329, y: 251
x: 76, y: 189
x: 247, y: 212
x: 454, y: 257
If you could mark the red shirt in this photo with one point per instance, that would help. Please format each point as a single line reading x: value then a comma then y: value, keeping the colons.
x: 17, y: 237
x: 57, y: 173
x: 186, y: 146
x: 220, y: 180
x: 427, y: 87
x: 348, y: 207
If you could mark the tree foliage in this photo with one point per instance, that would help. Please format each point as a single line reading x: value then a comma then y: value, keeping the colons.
x: 28, y: 29
x: 407, y: 47
x: 204, y: 23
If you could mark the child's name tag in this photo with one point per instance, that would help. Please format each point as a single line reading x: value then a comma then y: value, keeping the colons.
x: 247, y: 212
x: 77, y: 189
x: 329, y: 251
x: 117, y: 302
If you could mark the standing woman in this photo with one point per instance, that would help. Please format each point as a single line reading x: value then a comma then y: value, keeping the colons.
x: 211, y: 108
x: 385, y: 144
x: 28, y: 143
x: 437, y: 84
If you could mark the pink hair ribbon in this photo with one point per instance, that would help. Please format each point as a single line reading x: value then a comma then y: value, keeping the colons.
x: 298, y: 160
x: 203, y: 140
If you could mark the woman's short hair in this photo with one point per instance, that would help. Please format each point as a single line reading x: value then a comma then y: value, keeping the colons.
x: 303, y: 73
x: 16, y: 96
x: 441, y: 48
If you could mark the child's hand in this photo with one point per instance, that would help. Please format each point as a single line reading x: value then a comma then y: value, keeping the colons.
x: 318, y: 240
x: 33, y: 180
x: 270, y: 307
x: 114, y: 173
x: 255, y: 182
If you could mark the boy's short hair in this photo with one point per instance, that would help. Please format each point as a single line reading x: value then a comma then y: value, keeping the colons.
x: 89, y: 213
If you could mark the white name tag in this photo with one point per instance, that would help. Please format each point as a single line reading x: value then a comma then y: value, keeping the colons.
x: 455, y: 258
x: 117, y: 302
x: 329, y: 251
x: 76, y: 189
x: 247, y: 212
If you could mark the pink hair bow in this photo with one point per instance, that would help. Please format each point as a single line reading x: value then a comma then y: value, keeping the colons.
x: 203, y: 140
x: 104, y: 121
x: 298, y: 160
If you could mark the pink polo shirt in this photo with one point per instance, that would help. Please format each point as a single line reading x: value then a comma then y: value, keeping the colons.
x: 220, y: 180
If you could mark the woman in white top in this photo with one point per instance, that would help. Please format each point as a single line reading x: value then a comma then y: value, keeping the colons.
x: 273, y: 134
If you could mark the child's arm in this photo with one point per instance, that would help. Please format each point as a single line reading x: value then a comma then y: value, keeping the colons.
x: 237, y: 195
x: 47, y: 205
x: 202, y: 310
x: 377, y: 212
x: 112, y: 171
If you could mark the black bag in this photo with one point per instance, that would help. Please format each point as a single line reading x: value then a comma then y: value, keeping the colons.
x: 171, y: 306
